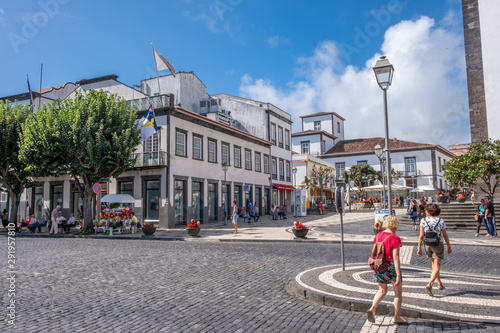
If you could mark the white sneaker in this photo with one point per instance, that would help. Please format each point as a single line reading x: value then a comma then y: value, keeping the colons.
x: 476, y: 235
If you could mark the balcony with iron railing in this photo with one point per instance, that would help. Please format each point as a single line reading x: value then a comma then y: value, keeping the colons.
x: 150, y: 159
x: 158, y: 102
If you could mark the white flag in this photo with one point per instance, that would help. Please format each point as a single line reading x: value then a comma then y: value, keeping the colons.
x: 162, y: 63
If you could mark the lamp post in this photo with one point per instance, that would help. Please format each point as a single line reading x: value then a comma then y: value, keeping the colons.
x: 379, y: 153
x: 225, y: 166
x: 294, y: 171
x: 384, y: 72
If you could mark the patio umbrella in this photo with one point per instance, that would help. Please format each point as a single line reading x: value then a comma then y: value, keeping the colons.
x: 118, y: 198
x: 416, y: 189
x: 373, y: 188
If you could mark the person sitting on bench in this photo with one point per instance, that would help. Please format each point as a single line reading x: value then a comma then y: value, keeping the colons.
x: 68, y: 224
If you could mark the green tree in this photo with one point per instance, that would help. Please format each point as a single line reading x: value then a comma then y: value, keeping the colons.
x: 90, y: 137
x: 480, y: 166
x: 13, y: 176
x: 361, y: 175
x: 395, y: 175
x: 319, y: 177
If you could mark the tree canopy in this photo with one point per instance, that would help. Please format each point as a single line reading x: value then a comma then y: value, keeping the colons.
x: 480, y: 166
x: 90, y: 137
x: 319, y: 177
x: 361, y: 175
x: 14, y: 177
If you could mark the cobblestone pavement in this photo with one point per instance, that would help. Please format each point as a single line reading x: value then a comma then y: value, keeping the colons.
x: 107, y: 285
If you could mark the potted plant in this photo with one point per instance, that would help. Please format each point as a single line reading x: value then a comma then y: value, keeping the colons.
x: 193, y: 228
x: 299, y: 229
x: 441, y: 197
x: 461, y: 197
x: 377, y: 227
x: 148, y: 229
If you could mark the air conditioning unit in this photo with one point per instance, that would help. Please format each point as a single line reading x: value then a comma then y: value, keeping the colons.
x: 215, y: 105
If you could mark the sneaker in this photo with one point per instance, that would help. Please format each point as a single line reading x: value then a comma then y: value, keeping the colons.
x: 476, y: 235
x: 488, y: 235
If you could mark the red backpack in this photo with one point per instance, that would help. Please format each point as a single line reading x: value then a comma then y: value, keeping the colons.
x: 378, y: 261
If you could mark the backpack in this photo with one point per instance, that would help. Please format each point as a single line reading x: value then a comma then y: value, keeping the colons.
x: 431, y: 237
x: 377, y: 261
x: 239, y: 211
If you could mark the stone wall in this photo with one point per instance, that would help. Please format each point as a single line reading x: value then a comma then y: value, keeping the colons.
x: 475, y: 74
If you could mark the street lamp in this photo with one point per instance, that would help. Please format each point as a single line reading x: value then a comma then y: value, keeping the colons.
x: 379, y: 153
x: 225, y: 167
x: 294, y: 171
x: 383, y: 72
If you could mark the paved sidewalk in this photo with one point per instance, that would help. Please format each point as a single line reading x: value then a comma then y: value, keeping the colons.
x: 322, y: 228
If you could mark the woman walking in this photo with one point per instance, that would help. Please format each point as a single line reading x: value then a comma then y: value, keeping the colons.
x: 480, y: 216
x: 433, y: 244
x: 5, y: 218
x: 392, y: 275
x: 413, y: 214
x: 234, y: 217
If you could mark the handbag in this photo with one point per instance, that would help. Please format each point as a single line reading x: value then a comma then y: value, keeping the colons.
x: 476, y: 217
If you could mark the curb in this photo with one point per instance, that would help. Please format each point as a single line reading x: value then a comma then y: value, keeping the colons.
x: 317, y: 297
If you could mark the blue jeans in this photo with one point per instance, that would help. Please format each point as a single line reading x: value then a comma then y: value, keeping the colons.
x: 491, y: 226
x: 256, y: 217
x: 275, y: 216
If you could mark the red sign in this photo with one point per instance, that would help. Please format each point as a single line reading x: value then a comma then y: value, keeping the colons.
x: 97, y: 188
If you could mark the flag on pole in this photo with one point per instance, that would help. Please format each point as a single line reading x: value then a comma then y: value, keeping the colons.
x: 30, y: 91
x: 163, y: 63
x: 148, y: 124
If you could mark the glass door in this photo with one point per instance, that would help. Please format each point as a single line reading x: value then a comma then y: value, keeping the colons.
x: 152, y: 200
x: 198, y: 201
x: 179, y: 197
x: 212, y: 201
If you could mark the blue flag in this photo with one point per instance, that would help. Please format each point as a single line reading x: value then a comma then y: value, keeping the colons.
x: 148, y: 124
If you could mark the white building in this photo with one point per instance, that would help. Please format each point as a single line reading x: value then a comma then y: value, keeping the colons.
x: 420, y: 163
x: 178, y: 174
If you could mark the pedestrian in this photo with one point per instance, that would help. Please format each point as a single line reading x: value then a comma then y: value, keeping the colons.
x: 53, y: 216
x: 401, y: 201
x: 392, y: 275
x: 408, y: 200
x: 234, y: 217
x: 433, y: 223
x: 480, y: 217
x: 413, y: 213
x: 5, y: 218
x: 70, y: 223
x: 256, y: 212
x: 320, y: 207
x: 421, y: 209
x: 371, y: 203
x: 489, y: 213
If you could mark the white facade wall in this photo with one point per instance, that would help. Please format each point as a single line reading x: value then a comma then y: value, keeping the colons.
x: 325, y: 121
x: 187, y: 89
x: 338, y: 128
x: 489, y: 12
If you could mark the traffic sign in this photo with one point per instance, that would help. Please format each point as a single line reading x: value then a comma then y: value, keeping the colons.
x: 97, y: 188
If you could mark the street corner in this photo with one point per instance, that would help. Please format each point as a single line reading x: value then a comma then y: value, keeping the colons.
x: 466, y: 297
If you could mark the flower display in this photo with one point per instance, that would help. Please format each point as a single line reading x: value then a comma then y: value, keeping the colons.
x: 147, y: 225
x: 439, y: 193
x: 378, y: 224
x: 460, y: 195
x: 298, y: 225
x: 194, y: 224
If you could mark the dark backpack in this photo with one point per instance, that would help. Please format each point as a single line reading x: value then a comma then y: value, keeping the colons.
x: 431, y: 237
x: 378, y: 261
x: 239, y: 211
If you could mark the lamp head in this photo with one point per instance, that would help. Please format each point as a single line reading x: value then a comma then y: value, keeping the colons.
x: 378, y: 150
x: 225, y: 166
x: 294, y: 170
x: 383, y: 72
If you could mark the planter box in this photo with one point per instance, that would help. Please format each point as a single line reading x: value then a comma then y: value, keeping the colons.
x: 193, y: 232
x: 461, y: 199
x: 300, y: 233
x: 149, y: 231
x: 441, y: 198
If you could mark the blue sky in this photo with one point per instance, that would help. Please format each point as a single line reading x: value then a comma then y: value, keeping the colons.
x: 301, y: 56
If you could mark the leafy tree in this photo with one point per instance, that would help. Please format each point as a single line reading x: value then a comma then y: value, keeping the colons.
x: 361, y: 175
x: 395, y: 175
x: 319, y: 177
x: 90, y: 137
x: 13, y: 176
x: 480, y: 166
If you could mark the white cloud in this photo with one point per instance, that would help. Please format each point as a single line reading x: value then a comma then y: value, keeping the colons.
x: 275, y: 41
x: 427, y: 101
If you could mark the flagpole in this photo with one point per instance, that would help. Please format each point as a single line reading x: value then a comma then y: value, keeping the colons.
x: 40, y: 96
x: 156, y: 68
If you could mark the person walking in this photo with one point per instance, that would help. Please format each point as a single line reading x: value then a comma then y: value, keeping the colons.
x: 489, y: 213
x: 392, y: 275
x: 433, y: 223
x: 408, y: 200
x: 53, y: 216
x: 480, y: 217
x: 234, y: 217
x: 413, y: 213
